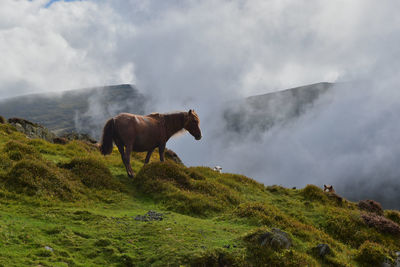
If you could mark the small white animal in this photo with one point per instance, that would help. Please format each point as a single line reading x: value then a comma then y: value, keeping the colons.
x: 218, y: 169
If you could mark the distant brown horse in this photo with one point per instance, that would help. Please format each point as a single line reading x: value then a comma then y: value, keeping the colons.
x: 132, y: 132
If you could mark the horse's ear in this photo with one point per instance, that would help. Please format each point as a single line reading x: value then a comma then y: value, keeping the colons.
x: 190, y: 112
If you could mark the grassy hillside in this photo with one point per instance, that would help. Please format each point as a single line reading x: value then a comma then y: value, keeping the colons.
x: 66, y: 205
x: 82, y: 110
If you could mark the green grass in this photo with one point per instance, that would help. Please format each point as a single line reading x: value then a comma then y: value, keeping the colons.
x: 66, y: 205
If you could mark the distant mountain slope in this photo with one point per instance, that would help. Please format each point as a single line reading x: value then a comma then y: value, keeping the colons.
x: 83, y: 110
x: 261, y: 112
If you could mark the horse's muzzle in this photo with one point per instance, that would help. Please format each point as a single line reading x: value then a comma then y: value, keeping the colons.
x: 198, y: 137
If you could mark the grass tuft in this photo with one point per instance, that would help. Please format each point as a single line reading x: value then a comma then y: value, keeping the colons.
x: 347, y: 227
x: 371, y: 254
x: 312, y: 192
x: 93, y: 173
x: 37, y: 178
x: 261, y: 214
x: 5, y: 164
x: 393, y: 215
x: 185, y: 190
x: 17, y: 151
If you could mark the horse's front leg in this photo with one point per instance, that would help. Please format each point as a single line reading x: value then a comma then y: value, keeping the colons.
x: 128, y: 166
x: 161, y: 150
x: 148, y: 156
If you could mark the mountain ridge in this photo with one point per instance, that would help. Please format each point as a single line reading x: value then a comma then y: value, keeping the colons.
x: 73, y: 110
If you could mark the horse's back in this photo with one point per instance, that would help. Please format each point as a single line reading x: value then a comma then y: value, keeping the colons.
x: 141, y: 131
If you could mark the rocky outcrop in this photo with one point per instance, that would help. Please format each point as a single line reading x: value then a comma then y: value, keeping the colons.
x: 276, y: 238
x: 78, y: 136
x: 150, y: 216
x: 32, y: 130
x: 169, y: 154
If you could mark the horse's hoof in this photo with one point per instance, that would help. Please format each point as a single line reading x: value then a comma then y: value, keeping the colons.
x: 130, y: 175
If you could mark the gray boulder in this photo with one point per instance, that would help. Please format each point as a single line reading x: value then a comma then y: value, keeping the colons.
x: 277, y: 239
x: 32, y: 130
x: 322, y: 250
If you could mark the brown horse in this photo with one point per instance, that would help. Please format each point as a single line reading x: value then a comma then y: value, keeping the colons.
x: 132, y: 132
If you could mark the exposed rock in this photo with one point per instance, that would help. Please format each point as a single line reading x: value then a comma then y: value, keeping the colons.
x: 2, y: 120
x: 48, y: 248
x: 397, y: 261
x: 79, y: 136
x: 32, y: 130
x: 371, y: 206
x: 150, y: 216
x: 60, y: 140
x: 322, y: 250
x: 276, y: 239
x: 172, y: 155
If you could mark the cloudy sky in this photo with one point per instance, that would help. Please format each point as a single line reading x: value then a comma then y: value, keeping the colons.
x: 225, y: 47
x: 198, y: 54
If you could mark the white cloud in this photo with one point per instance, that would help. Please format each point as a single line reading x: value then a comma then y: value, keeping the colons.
x: 70, y: 45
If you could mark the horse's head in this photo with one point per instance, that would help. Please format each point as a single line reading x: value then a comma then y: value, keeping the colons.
x: 192, y: 124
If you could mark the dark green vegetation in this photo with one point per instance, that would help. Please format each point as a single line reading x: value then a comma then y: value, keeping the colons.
x: 66, y: 205
x: 75, y: 110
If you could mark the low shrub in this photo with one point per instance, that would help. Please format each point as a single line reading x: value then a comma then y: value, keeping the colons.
x: 381, y: 224
x: 371, y: 206
x: 370, y: 254
x: 7, y: 129
x: 17, y: 151
x: 277, y: 189
x: 93, y: 173
x: 393, y: 215
x: 2, y: 120
x: 39, y: 178
x: 347, y: 227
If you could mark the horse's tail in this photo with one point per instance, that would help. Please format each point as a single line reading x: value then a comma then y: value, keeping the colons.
x: 106, y: 145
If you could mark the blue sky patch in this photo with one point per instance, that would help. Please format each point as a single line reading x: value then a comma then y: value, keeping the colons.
x: 52, y: 1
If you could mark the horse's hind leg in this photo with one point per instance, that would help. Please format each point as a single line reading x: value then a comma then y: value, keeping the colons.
x: 123, y: 156
x: 161, y: 150
x: 148, y: 156
x: 127, y: 162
